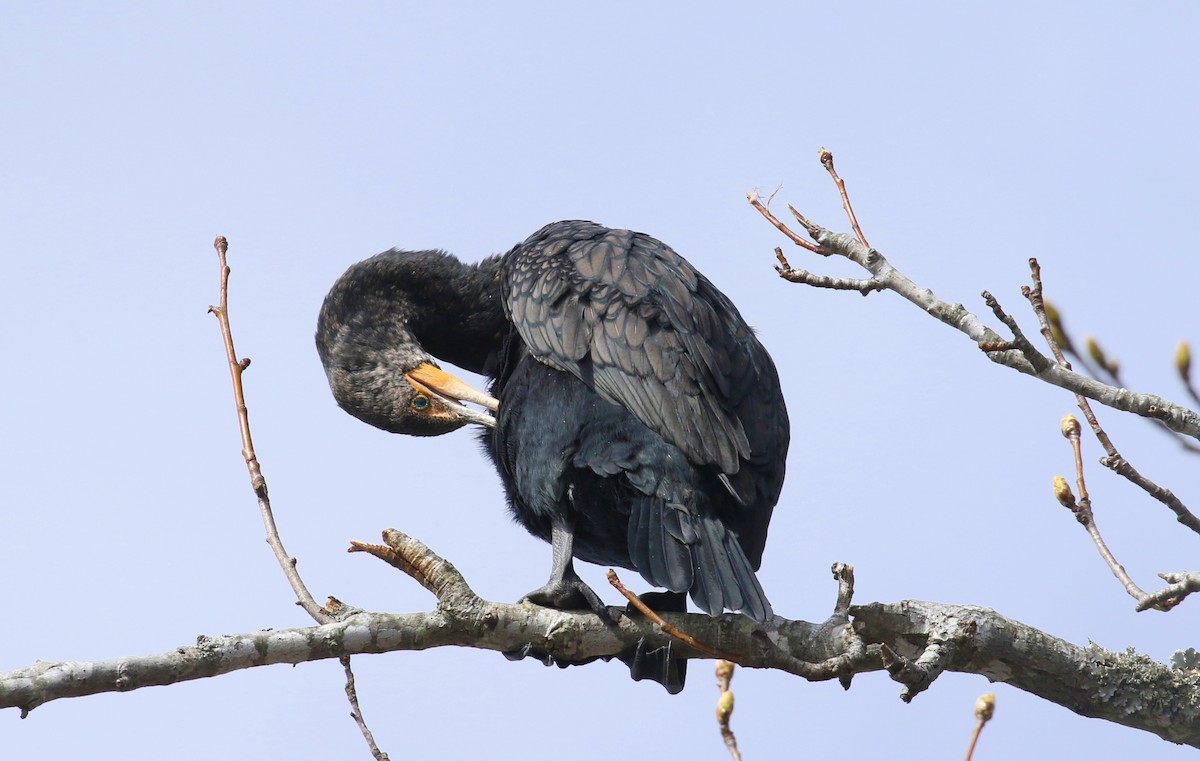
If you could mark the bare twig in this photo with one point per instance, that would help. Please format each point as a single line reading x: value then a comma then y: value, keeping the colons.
x: 1112, y: 459
x: 852, y: 652
x: 725, y: 707
x: 1180, y: 585
x: 1083, y: 508
x: 797, y: 275
x: 827, y: 162
x: 356, y: 711
x: 1097, y: 363
x: 1174, y: 416
x: 667, y: 628
x: 259, y: 483
x: 752, y: 197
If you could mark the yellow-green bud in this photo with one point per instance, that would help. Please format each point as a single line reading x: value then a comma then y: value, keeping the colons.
x: 1095, y: 352
x: 985, y: 706
x: 1069, y: 426
x: 1183, y: 359
x: 724, y: 670
x: 1056, y: 327
x: 1063, y: 493
x: 725, y: 706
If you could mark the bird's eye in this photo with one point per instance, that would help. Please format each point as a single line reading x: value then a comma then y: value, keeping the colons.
x: 420, y: 402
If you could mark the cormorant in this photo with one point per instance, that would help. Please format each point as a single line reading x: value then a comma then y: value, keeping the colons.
x: 640, y: 421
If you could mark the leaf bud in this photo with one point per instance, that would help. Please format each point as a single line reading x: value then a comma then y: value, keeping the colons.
x: 1062, y: 492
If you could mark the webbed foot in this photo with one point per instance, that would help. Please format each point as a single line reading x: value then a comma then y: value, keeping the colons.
x: 569, y: 594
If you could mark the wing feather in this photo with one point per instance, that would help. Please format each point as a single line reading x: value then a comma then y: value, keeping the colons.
x: 622, y: 311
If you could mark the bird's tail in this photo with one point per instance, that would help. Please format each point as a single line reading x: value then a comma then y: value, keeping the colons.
x: 673, y: 547
x: 722, y: 577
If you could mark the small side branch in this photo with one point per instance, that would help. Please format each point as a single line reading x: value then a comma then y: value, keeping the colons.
x: 669, y: 629
x: 753, y: 198
x: 797, y: 275
x: 1083, y: 508
x: 1180, y: 585
x: 1054, y: 334
x: 430, y: 570
x: 356, y: 711
x: 827, y: 162
x: 259, y: 483
x: 1174, y: 416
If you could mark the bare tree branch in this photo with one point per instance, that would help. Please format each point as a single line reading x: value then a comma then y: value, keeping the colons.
x: 1174, y: 416
x: 1125, y: 688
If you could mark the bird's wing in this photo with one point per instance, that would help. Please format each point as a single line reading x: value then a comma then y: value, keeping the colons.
x: 627, y: 315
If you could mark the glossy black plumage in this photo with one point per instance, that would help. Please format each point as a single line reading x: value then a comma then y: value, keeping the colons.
x: 640, y: 424
x: 638, y: 399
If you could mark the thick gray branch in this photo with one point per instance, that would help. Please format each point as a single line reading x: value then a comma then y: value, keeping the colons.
x: 1128, y: 689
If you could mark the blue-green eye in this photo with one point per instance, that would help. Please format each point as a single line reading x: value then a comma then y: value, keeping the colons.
x: 420, y: 402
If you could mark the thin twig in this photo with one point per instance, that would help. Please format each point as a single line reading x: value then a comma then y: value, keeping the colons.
x: 259, y: 483
x: 725, y: 707
x: 1100, y: 365
x: 1083, y: 510
x: 356, y: 711
x: 1180, y: 585
x: 1113, y: 459
x: 667, y: 628
x: 1175, y: 416
x: 797, y: 275
x: 752, y: 197
x: 827, y: 162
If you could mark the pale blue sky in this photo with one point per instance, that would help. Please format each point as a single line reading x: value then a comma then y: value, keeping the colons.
x: 971, y: 139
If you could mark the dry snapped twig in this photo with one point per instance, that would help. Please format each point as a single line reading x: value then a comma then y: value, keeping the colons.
x: 753, y: 198
x: 725, y: 707
x: 259, y: 483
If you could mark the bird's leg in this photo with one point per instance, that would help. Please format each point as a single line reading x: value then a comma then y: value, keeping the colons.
x: 565, y: 590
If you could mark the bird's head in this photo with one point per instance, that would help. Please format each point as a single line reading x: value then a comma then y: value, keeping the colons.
x: 437, y: 403
x: 423, y: 401
x: 376, y: 367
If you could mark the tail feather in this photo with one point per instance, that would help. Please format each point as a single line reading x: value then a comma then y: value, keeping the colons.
x: 682, y: 551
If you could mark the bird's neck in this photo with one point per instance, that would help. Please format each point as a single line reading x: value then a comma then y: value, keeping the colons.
x: 455, y: 310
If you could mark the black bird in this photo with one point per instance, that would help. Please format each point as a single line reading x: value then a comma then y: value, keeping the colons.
x: 640, y: 422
